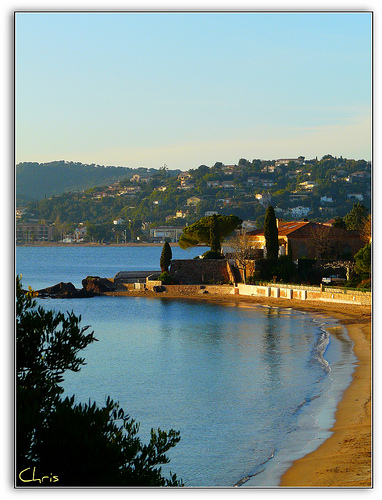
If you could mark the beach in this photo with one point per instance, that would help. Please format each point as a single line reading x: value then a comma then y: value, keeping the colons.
x: 344, y: 459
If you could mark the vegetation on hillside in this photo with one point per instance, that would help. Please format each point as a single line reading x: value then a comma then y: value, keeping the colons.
x: 317, y: 189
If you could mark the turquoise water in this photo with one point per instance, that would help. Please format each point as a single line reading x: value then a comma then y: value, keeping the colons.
x: 250, y: 388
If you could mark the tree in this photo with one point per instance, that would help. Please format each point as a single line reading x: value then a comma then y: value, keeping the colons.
x: 165, y: 258
x: 339, y: 223
x: 356, y: 218
x: 363, y: 260
x: 239, y: 246
x: 210, y: 231
x: 366, y: 230
x: 271, y: 234
x: 78, y: 445
x: 215, y: 235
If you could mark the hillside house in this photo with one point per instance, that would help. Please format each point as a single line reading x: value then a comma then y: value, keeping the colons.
x: 271, y: 169
x: 286, y: 161
x: 193, y: 201
x: 213, y: 184
x: 297, y: 196
x: 129, y: 190
x: 355, y: 196
x: 299, y: 211
x: 185, y: 185
x: 228, y: 184
x: 229, y: 169
x: 310, y: 240
x: 180, y: 214
x: 309, y: 185
x: 80, y: 232
x: 184, y: 176
x: 264, y: 199
x: 326, y: 199
x: 267, y: 183
x: 20, y: 212
x: 362, y: 175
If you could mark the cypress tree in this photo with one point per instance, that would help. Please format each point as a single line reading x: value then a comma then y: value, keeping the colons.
x: 215, y: 235
x: 271, y: 234
x: 165, y: 258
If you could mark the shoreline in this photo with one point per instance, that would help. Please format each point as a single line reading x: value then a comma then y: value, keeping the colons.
x: 344, y: 459
x: 77, y: 245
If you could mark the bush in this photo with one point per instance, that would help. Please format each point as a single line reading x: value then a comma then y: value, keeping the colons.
x: 81, y: 444
x: 284, y: 269
x: 167, y: 279
x: 211, y: 254
x: 254, y: 278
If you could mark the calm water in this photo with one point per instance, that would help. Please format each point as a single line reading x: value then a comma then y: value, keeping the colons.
x: 250, y: 388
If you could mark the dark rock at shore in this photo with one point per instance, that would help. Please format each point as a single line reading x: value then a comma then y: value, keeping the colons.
x: 96, y: 284
x: 64, y: 291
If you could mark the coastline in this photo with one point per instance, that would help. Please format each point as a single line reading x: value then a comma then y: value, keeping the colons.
x: 78, y: 245
x: 344, y: 459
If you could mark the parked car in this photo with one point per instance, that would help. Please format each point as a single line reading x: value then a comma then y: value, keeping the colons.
x: 334, y: 279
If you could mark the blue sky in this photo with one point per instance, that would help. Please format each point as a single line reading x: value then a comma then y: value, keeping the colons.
x: 185, y: 89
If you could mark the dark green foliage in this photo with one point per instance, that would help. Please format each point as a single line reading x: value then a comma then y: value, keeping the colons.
x: 284, y: 269
x: 215, y: 235
x: 339, y: 223
x: 271, y: 234
x: 307, y: 273
x: 200, y: 232
x: 363, y: 260
x: 149, y: 203
x: 165, y: 258
x: 212, y: 254
x: 167, y: 279
x: 47, y: 344
x: 37, y: 180
x: 356, y: 218
x: 265, y: 270
x: 81, y: 445
x: 100, y: 447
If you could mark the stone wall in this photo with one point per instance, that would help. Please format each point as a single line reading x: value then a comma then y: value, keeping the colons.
x: 202, y: 271
x: 307, y: 293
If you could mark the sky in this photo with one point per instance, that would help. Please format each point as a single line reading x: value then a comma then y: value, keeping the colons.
x: 183, y: 89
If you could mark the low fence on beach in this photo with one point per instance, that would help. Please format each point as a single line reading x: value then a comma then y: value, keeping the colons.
x: 272, y: 290
x: 341, y: 295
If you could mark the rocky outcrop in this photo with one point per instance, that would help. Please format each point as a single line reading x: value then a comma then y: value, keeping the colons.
x: 64, y: 291
x: 98, y: 285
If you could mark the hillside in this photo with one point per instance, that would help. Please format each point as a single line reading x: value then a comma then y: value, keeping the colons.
x: 319, y: 190
x: 42, y: 180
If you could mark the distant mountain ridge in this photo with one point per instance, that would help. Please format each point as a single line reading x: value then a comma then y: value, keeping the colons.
x: 39, y: 180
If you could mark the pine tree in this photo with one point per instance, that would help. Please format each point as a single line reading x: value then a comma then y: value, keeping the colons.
x: 271, y: 234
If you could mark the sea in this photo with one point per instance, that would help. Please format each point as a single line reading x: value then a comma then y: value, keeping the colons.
x: 250, y: 388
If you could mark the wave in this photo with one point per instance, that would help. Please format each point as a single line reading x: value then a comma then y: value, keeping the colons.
x: 247, y: 478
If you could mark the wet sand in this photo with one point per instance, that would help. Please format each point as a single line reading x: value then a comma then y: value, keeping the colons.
x: 343, y: 460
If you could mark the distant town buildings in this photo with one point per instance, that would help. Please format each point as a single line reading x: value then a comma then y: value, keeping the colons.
x: 165, y: 233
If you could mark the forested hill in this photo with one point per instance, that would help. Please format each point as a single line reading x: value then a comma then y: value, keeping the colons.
x: 40, y: 180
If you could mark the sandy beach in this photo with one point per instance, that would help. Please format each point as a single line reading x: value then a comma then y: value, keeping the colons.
x: 343, y: 460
